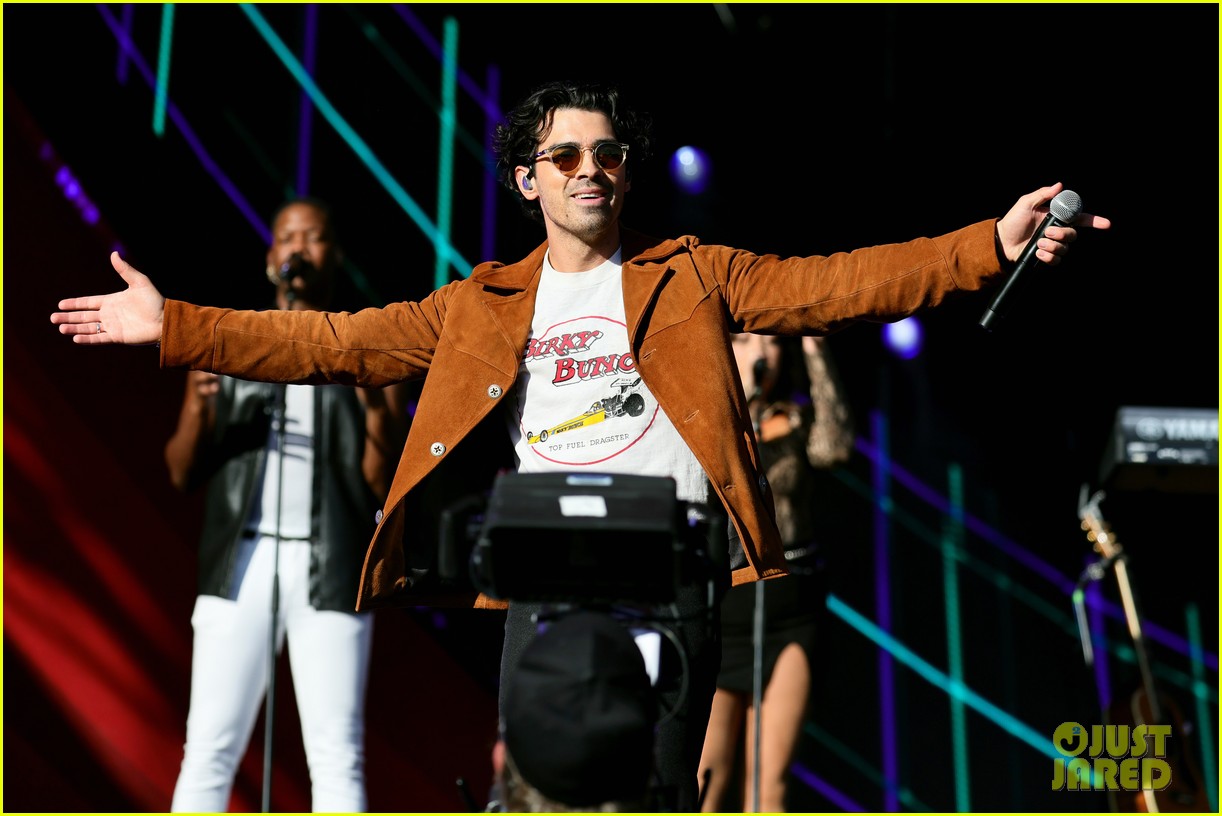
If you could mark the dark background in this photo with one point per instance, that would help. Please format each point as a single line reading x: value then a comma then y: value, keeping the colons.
x: 829, y: 127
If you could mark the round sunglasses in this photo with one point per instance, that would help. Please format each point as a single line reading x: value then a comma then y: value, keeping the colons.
x: 567, y: 157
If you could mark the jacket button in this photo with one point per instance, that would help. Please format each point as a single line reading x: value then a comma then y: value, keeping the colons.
x: 377, y: 517
x: 437, y: 449
x: 763, y: 483
x: 494, y: 391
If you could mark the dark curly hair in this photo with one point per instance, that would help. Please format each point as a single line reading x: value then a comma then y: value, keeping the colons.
x: 516, y: 140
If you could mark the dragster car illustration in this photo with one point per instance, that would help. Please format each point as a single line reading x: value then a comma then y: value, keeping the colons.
x: 626, y: 401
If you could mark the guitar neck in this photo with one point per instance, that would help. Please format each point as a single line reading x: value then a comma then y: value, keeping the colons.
x: 1129, y: 601
x: 1186, y: 792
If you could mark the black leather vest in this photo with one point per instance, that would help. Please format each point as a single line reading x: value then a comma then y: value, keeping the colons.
x: 343, y: 505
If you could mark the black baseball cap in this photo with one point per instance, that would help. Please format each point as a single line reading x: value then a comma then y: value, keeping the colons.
x: 579, y: 712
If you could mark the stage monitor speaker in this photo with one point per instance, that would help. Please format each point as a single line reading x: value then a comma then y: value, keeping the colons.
x: 580, y: 537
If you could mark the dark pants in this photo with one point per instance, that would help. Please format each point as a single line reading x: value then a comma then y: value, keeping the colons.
x: 685, y: 686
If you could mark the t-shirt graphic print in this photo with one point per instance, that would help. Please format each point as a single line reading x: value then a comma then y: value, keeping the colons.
x: 599, y: 397
x: 580, y: 403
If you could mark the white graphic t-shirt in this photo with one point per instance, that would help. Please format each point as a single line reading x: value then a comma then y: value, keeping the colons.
x: 580, y: 404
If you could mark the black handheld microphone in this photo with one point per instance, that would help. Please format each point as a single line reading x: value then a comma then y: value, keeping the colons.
x: 293, y: 267
x: 1062, y: 211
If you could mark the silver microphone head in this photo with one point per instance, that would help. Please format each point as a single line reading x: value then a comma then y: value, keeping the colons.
x: 1066, y: 206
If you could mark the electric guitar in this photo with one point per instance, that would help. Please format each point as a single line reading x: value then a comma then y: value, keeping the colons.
x: 1146, y: 705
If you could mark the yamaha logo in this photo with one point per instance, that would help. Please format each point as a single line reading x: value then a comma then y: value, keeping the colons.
x: 1179, y: 429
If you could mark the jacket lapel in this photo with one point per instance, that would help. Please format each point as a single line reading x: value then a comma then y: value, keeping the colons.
x: 645, y: 270
x: 508, y: 296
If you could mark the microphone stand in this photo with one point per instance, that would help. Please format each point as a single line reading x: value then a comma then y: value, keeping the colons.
x: 759, y: 370
x: 757, y: 681
x: 281, y: 422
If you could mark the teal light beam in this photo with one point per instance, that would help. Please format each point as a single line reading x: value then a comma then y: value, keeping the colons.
x: 952, y: 545
x: 1055, y: 614
x: 1004, y: 720
x: 1209, y: 761
x: 987, y: 572
x: 1025, y: 556
x: 123, y: 37
x: 470, y: 143
x: 163, y: 69
x: 858, y: 763
x: 445, y: 159
x: 258, y: 154
x: 358, y: 145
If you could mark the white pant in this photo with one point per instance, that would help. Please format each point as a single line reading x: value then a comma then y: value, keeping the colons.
x: 329, y: 661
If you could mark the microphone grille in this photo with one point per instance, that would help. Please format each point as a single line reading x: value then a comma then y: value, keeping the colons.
x: 1066, y: 206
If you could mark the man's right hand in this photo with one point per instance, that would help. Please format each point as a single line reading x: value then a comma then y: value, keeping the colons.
x: 131, y: 317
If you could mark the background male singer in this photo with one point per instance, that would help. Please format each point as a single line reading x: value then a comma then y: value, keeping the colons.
x: 302, y: 504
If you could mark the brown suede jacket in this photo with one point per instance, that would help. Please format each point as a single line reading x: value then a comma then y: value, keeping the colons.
x: 683, y: 300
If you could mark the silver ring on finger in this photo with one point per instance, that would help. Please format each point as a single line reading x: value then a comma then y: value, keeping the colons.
x: 99, y: 329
